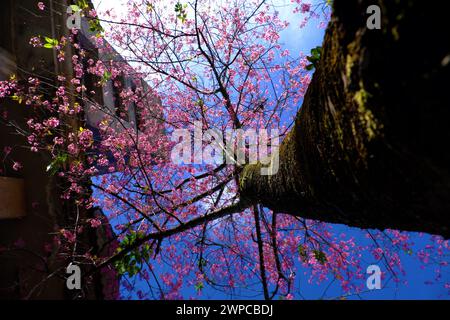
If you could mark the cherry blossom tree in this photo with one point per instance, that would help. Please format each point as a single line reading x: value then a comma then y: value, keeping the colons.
x: 222, y: 226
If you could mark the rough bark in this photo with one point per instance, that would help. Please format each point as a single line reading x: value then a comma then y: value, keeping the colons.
x: 369, y: 145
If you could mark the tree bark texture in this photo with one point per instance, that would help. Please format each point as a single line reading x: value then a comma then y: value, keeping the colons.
x: 369, y: 147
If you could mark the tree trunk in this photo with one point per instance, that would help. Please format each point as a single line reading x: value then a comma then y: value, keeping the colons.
x: 369, y: 145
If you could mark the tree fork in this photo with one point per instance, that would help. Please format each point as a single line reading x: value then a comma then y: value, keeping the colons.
x: 368, y: 148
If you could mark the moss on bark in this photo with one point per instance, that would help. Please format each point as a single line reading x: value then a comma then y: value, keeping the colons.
x: 368, y: 148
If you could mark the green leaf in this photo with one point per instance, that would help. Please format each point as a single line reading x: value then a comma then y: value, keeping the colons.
x: 200, y: 102
x: 149, y: 7
x: 199, y: 286
x: 50, y: 43
x: 17, y: 98
x: 82, y: 4
x: 133, y: 261
x: 180, y: 10
x: 314, y: 58
x: 105, y: 77
x: 57, y: 164
x: 320, y: 256
x: 75, y: 8
x: 302, y: 252
x: 315, y: 52
x: 95, y: 26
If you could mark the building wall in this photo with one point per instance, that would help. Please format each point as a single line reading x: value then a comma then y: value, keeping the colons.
x: 23, y: 239
x: 25, y: 255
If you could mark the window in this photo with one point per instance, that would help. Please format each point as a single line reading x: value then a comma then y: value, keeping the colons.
x: 6, y: 19
x: 121, y: 110
x: 7, y: 63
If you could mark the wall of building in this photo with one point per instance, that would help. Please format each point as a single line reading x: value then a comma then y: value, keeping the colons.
x: 27, y: 251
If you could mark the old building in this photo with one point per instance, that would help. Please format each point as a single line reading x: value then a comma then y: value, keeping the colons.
x: 31, y: 210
